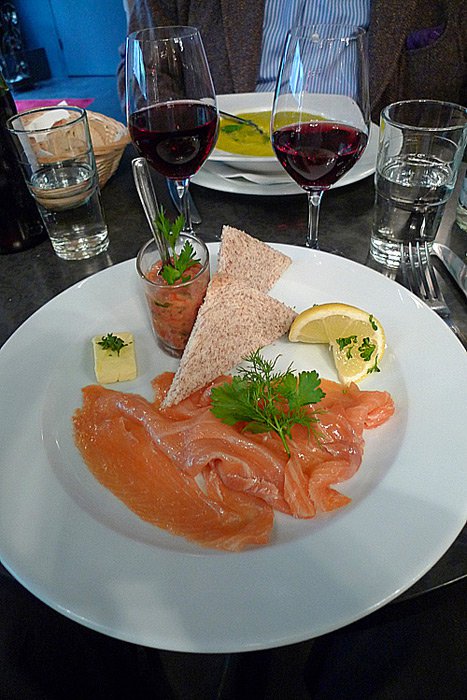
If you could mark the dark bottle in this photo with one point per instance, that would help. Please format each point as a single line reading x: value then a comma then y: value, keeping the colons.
x: 21, y: 225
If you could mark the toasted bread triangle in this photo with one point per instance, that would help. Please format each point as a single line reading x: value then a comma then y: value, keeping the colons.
x: 252, y: 262
x: 232, y: 322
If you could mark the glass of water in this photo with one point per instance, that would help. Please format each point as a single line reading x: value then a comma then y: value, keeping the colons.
x: 421, y: 145
x: 55, y: 152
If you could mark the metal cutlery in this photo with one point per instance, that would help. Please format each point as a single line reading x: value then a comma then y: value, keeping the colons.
x: 419, y: 277
x: 258, y: 179
x: 145, y: 189
x: 195, y: 215
x: 453, y: 264
x: 241, y: 120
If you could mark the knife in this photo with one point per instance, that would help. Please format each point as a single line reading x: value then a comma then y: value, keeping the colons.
x: 454, y: 265
x: 195, y: 215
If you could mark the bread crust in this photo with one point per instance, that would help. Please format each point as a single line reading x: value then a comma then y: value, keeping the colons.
x: 252, y: 262
x: 235, y: 318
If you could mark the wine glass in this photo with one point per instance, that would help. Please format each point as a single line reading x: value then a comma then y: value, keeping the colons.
x: 171, y: 103
x: 321, y: 112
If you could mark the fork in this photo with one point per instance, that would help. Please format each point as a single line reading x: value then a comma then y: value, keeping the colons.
x: 419, y: 277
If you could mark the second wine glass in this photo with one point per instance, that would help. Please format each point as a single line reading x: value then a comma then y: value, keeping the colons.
x: 171, y: 103
x: 321, y: 112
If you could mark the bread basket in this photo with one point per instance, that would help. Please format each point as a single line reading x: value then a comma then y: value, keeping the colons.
x: 109, y: 138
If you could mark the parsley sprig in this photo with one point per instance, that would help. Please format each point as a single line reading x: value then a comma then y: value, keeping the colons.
x: 265, y: 399
x: 348, y: 343
x: 230, y: 128
x: 182, y: 261
x: 112, y: 342
x: 365, y: 349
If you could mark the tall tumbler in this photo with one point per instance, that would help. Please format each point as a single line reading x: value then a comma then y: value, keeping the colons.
x: 55, y: 152
x: 421, y: 145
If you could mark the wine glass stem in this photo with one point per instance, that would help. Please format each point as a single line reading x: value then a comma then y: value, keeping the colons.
x: 314, y: 201
x: 182, y: 190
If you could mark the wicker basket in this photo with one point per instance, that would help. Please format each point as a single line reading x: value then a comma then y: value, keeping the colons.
x: 109, y: 139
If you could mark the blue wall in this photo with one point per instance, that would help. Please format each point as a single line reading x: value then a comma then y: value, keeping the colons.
x: 80, y: 37
x: 39, y: 32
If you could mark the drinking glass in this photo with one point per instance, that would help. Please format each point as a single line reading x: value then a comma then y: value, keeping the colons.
x: 171, y: 103
x: 173, y: 307
x: 321, y: 112
x: 55, y: 152
x: 421, y: 144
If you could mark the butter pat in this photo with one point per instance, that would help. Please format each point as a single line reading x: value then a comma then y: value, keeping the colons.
x: 111, y: 366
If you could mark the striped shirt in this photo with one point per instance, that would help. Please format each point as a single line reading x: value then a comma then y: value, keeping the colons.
x: 281, y: 15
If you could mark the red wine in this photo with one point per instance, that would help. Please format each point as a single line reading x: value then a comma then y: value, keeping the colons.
x: 175, y: 137
x: 21, y: 225
x: 317, y: 154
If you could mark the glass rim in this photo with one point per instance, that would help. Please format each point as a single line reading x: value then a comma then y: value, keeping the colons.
x: 338, y: 31
x: 80, y: 114
x: 162, y: 33
x: 177, y: 285
x: 444, y: 103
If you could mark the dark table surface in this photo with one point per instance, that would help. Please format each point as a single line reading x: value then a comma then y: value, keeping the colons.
x: 31, y: 278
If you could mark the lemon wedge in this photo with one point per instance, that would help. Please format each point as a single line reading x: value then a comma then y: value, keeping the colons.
x: 356, y: 337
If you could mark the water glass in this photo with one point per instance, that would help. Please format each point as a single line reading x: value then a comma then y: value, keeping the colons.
x: 461, y: 211
x: 173, y: 307
x: 421, y: 145
x: 55, y: 152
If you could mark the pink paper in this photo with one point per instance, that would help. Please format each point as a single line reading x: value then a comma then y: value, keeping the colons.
x: 23, y: 105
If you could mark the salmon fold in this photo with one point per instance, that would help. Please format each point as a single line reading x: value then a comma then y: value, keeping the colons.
x: 183, y: 470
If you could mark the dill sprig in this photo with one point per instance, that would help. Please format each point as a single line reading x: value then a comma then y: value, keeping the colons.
x: 265, y: 399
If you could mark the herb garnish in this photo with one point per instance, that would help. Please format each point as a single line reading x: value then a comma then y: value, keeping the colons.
x: 229, y: 128
x: 112, y: 342
x: 374, y: 368
x: 365, y: 349
x: 347, y: 343
x: 232, y: 128
x: 181, y: 262
x: 265, y: 399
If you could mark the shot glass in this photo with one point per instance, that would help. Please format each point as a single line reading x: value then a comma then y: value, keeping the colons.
x: 55, y: 152
x: 421, y: 145
x: 173, y: 307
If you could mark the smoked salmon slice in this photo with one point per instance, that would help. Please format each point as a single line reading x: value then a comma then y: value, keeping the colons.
x: 122, y: 454
x: 183, y: 470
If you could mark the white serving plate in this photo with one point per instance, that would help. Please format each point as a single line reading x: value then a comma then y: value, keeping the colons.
x: 237, y: 103
x: 215, y: 175
x: 80, y: 550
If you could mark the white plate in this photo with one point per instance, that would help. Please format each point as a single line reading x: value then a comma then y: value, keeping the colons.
x: 71, y: 543
x: 213, y: 175
x: 238, y: 103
